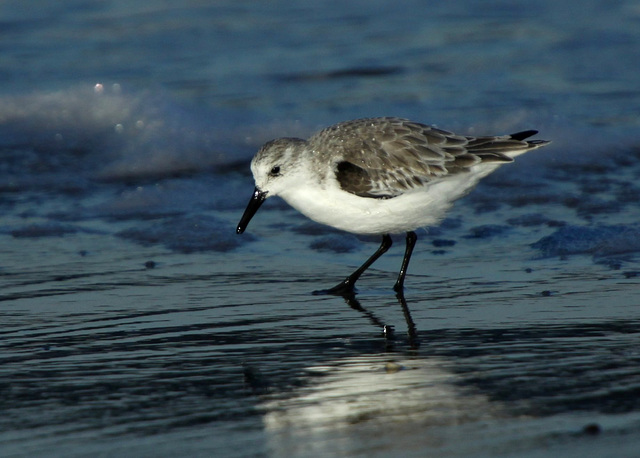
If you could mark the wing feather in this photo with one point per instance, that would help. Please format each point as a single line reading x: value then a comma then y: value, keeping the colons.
x: 386, y: 157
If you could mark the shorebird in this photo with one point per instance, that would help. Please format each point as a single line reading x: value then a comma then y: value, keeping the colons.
x: 378, y: 176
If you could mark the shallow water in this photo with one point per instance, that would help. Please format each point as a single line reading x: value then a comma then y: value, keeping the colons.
x: 137, y: 323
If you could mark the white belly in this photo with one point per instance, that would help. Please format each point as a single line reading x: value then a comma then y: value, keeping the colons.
x: 364, y: 215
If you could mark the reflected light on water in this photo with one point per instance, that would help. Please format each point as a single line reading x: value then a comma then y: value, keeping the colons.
x: 345, y: 403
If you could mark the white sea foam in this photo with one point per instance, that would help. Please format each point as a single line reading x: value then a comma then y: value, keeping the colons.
x: 117, y: 134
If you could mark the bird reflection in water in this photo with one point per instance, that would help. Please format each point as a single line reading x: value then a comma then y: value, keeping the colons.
x: 388, y: 330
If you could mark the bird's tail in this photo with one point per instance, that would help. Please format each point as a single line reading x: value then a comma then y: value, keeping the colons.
x: 504, y: 148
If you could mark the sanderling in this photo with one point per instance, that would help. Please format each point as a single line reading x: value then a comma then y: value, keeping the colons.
x: 378, y: 176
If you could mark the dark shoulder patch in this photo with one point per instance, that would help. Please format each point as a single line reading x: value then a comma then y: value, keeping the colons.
x: 354, y: 179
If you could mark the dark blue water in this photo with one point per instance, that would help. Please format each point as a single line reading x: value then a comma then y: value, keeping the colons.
x: 137, y: 323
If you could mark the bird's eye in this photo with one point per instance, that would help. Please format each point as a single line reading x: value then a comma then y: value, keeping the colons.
x: 275, y: 170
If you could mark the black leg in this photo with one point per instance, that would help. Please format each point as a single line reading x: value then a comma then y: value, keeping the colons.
x: 346, y: 287
x: 411, y: 242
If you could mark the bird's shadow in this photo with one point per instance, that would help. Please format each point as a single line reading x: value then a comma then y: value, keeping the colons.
x: 354, y: 303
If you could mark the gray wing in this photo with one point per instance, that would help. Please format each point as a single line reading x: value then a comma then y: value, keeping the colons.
x: 386, y: 157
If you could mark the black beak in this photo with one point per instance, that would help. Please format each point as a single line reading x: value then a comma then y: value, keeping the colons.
x: 256, y: 200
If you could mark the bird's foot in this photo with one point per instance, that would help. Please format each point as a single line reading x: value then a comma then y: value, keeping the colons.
x: 344, y: 288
